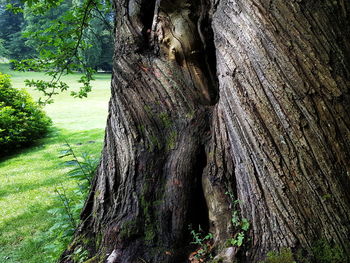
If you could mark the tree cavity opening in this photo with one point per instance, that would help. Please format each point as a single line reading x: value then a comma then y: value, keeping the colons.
x: 198, y: 209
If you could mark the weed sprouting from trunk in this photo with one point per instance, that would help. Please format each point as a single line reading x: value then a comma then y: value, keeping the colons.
x: 204, y: 243
x: 240, y: 224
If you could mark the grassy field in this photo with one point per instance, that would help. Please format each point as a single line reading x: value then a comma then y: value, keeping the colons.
x: 28, y: 179
x: 68, y: 112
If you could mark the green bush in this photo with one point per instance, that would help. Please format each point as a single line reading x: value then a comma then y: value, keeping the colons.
x: 21, y: 119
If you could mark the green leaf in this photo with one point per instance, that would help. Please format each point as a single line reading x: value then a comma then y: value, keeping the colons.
x: 240, y: 239
x: 235, y: 218
x: 245, y: 224
x: 71, y: 163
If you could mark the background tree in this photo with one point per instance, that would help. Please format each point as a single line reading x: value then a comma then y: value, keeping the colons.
x: 37, y: 30
x: 61, y: 39
x: 3, y: 51
x: 208, y: 97
x: 11, y: 33
x: 38, y: 19
x: 98, y: 53
x: 43, y: 24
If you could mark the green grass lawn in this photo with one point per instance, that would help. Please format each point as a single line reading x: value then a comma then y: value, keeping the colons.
x: 29, y: 178
x: 68, y: 112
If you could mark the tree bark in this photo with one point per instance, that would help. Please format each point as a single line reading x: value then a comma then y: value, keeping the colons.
x: 246, y: 97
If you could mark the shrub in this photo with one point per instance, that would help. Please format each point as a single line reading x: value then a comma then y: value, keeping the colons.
x: 21, y: 119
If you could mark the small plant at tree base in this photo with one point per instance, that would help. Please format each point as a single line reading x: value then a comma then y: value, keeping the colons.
x: 285, y: 255
x: 204, y: 243
x: 66, y: 218
x: 66, y: 215
x: 322, y: 252
x: 241, y: 225
x: 83, y: 168
x: 80, y: 255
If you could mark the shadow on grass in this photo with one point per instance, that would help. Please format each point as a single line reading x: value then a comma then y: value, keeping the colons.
x: 14, y: 234
x: 24, y: 187
x: 34, y: 145
x: 16, y: 225
x: 53, y: 137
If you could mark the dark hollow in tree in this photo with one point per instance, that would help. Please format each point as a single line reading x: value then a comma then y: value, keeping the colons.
x: 247, y: 97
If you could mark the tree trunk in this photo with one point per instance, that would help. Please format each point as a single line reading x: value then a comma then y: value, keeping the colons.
x: 249, y: 98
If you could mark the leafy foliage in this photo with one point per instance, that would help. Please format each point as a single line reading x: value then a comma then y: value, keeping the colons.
x: 59, y: 37
x: 66, y: 216
x: 82, y: 170
x: 98, y: 36
x: 58, y: 44
x: 21, y: 119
